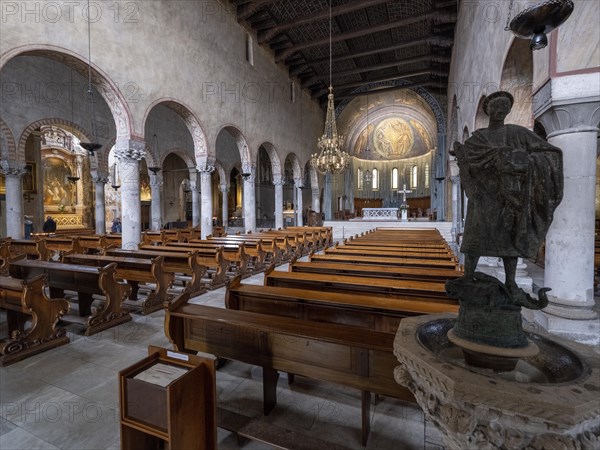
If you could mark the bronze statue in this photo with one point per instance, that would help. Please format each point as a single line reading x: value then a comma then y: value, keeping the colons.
x: 514, y: 182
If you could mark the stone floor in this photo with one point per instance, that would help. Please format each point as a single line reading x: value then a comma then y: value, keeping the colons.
x: 67, y: 398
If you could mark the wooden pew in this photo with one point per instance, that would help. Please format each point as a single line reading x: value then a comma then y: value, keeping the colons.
x: 341, y: 354
x: 389, y: 253
x: 235, y: 253
x: 134, y: 271
x: 378, y: 260
x: 376, y: 270
x: 26, y: 300
x: 371, y: 312
x: 277, y: 249
x: 33, y: 249
x: 366, y: 285
x: 86, y: 281
x: 213, y: 259
x: 257, y: 256
x: 175, y: 262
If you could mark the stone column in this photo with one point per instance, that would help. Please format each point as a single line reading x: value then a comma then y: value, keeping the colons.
x: 225, y: 204
x: 129, y: 154
x: 195, y: 187
x: 156, y: 211
x: 249, y: 175
x: 100, y: 179
x: 316, y: 201
x: 206, y: 227
x: 13, y: 173
x: 569, y: 270
x: 455, y: 208
x: 299, y: 201
x: 278, y: 182
x: 327, y: 197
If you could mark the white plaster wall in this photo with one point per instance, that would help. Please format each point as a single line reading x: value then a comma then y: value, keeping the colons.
x: 189, y: 51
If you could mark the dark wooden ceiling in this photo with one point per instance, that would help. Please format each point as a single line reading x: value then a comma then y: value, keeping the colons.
x: 373, y: 40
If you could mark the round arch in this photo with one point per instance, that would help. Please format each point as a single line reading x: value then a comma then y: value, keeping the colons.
x: 241, y: 143
x: 194, y: 126
x: 274, y: 157
x: 296, y: 167
x: 183, y: 154
x: 102, y: 82
x: 517, y: 78
x: 8, y: 149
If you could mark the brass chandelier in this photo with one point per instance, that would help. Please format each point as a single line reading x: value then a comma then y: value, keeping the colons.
x: 330, y: 159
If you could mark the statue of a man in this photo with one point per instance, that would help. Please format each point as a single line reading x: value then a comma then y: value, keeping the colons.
x: 514, y: 182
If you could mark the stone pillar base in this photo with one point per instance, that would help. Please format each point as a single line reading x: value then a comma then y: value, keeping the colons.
x: 582, y: 331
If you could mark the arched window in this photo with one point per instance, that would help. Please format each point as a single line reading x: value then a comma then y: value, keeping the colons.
x: 360, y: 179
x: 413, y: 177
x: 394, y: 178
x: 426, y: 176
x: 375, y: 179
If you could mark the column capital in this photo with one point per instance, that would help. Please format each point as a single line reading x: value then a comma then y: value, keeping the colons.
x: 130, y: 149
x: 224, y: 188
x: 205, y: 171
x: 278, y: 182
x: 248, y: 172
x: 299, y: 182
x: 562, y: 110
x: 156, y: 179
x: 11, y: 168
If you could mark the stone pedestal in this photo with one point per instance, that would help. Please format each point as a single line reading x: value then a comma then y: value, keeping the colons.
x: 480, y: 409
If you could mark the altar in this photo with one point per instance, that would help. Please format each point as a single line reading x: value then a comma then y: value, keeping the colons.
x: 380, y: 213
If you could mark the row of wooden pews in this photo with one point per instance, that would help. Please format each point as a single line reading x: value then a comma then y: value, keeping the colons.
x: 361, y: 299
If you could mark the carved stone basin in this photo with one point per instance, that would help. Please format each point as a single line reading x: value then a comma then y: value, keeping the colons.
x: 548, y: 401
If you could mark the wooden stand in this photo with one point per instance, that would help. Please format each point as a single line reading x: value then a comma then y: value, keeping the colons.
x: 180, y: 416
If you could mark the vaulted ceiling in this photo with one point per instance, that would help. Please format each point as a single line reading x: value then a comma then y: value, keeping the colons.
x: 372, y: 41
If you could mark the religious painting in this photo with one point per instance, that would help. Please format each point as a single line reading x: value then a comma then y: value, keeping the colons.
x: 145, y: 191
x: 57, y: 188
x: 363, y: 141
x: 29, y: 180
x: 393, y: 138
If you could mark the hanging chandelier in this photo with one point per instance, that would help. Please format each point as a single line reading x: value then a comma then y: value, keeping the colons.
x: 331, y: 158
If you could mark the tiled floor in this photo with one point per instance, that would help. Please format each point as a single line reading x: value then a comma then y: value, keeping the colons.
x: 67, y: 398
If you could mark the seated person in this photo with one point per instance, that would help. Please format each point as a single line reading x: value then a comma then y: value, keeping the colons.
x: 49, y: 225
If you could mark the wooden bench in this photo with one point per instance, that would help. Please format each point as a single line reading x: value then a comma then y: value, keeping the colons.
x: 33, y: 249
x: 174, y: 262
x: 86, y: 281
x: 371, y: 312
x: 26, y: 301
x: 365, y: 285
x: 379, y: 260
x: 213, y: 259
x: 257, y: 256
x: 235, y: 253
x: 389, y: 253
x: 277, y: 249
x: 376, y: 270
x: 341, y: 354
x: 134, y: 271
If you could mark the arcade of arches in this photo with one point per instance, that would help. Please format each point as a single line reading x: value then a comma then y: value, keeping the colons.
x: 200, y: 125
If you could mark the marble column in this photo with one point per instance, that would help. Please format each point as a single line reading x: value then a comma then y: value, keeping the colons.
x: 129, y: 153
x: 156, y: 210
x: 316, y: 201
x: 206, y: 197
x: 225, y: 204
x: 278, y: 182
x: 327, y: 204
x: 13, y: 173
x: 569, y: 267
x: 100, y: 179
x: 195, y: 187
x: 299, y: 201
x: 249, y: 177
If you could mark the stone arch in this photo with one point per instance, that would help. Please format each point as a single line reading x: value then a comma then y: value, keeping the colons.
x: 102, y: 82
x: 274, y: 157
x: 183, y: 154
x: 223, y: 178
x: 201, y: 152
x: 296, y: 167
x: 517, y: 78
x: 454, y: 123
x: 242, y: 145
x: 465, y: 135
x: 74, y: 128
x: 313, y: 176
x: 8, y: 149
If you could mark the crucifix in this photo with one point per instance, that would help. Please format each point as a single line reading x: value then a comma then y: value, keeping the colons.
x: 404, y: 191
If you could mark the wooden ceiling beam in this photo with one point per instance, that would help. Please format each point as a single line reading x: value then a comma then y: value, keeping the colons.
x: 296, y: 68
x: 246, y: 10
x: 282, y: 55
x: 431, y: 83
x: 267, y: 34
x: 429, y: 58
